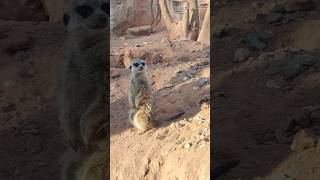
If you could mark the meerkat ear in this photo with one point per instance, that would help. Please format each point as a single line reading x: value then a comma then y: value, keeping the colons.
x: 66, y: 19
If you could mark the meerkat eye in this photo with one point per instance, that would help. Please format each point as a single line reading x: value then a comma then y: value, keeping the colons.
x: 143, y: 64
x: 106, y: 8
x: 135, y: 64
x: 84, y: 11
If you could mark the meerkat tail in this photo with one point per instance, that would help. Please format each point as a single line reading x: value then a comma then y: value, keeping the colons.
x: 131, y: 115
x: 141, y: 121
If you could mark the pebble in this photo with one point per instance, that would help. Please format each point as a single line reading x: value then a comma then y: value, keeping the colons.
x: 187, y: 145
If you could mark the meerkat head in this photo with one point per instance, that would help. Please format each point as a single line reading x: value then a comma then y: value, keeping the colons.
x: 138, y: 66
x: 87, y: 14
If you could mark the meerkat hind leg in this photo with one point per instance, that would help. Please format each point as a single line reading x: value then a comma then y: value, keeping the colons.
x: 142, y: 121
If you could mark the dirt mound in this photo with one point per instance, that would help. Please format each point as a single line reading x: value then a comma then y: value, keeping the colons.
x: 32, y: 141
x: 303, y: 165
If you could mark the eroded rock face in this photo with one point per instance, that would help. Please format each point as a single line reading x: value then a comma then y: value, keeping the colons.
x: 130, y: 13
x: 23, y: 10
x: 32, y: 10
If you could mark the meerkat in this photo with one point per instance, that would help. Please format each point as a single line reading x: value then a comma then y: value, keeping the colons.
x: 83, y: 113
x: 139, y: 95
x: 85, y: 165
x: 83, y: 101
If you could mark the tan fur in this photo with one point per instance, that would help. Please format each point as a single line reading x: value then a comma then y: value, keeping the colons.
x: 139, y: 94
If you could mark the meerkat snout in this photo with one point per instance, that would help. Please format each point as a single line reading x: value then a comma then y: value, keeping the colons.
x: 138, y: 65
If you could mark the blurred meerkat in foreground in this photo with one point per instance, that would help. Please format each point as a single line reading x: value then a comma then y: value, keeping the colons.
x: 83, y: 113
x: 139, y: 94
x: 83, y: 100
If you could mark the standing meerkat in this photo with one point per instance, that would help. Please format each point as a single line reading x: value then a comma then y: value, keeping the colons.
x: 83, y: 101
x: 139, y: 94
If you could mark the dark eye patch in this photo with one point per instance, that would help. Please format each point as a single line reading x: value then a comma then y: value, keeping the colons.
x: 143, y: 64
x: 106, y: 8
x: 135, y: 64
x: 84, y: 11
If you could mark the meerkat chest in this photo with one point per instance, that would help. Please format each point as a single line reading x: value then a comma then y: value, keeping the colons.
x: 139, y: 85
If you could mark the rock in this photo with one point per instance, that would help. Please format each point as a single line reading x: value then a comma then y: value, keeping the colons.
x: 292, y: 68
x: 296, y: 5
x: 291, y: 65
x: 205, y: 105
x: 255, y: 40
x: 164, y: 40
x: 281, y: 6
x: 9, y: 83
x: 303, y: 120
x: 297, y: 65
x: 185, y: 78
x: 220, y: 30
x: 151, y: 56
x: 187, y: 145
x: 178, y: 71
x: 201, y: 82
x: 266, y: 56
x: 116, y: 61
x: 281, y: 136
x: 130, y: 36
x: 311, y: 108
x: 167, y: 85
x: 272, y: 84
x: 304, y: 139
x: 139, y: 31
x: 155, y: 58
x: 265, y: 138
x: 274, y: 18
x: 204, y: 99
x: 241, y: 54
x: 114, y: 73
x: 266, y: 8
x: 32, y: 11
x: 9, y: 107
